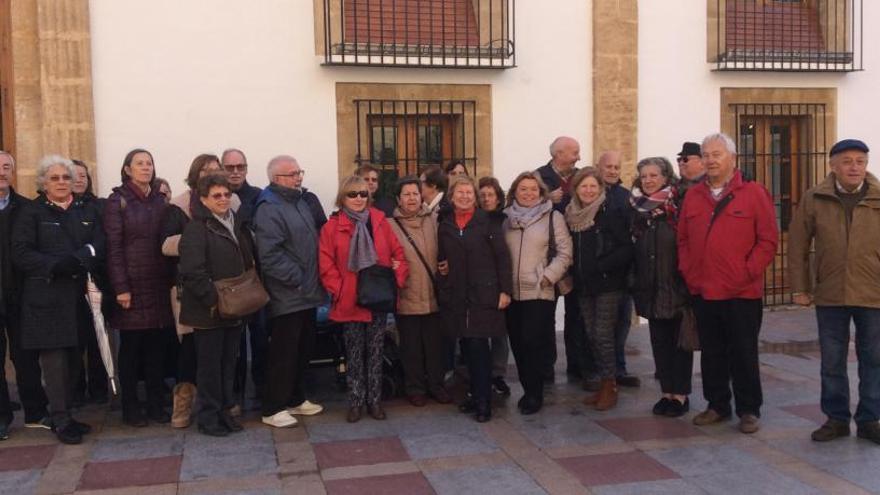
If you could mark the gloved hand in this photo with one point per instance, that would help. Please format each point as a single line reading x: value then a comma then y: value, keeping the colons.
x: 68, y: 267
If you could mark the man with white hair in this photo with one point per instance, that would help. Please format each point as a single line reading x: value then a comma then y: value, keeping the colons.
x: 727, y: 236
x: 557, y: 173
x: 286, y: 231
x: 27, y: 366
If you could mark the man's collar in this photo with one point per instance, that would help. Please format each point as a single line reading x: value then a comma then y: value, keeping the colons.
x: 843, y: 190
x: 558, y: 172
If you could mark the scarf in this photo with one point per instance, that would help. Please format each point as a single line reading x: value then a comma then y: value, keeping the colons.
x: 522, y: 217
x: 361, y: 252
x: 579, y: 217
x: 660, y: 203
x: 227, y: 221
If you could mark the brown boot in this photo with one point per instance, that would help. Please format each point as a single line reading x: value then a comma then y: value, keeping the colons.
x: 607, y: 396
x: 591, y: 399
x: 184, y: 393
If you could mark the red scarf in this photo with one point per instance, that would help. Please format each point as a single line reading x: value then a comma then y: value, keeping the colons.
x: 462, y: 218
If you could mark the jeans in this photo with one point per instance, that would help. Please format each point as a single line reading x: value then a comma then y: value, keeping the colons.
x: 834, y: 330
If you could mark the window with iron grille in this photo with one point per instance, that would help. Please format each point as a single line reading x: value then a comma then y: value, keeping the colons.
x: 787, y: 35
x: 402, y: 137
x: 420, y: 33
x: 784, y: 147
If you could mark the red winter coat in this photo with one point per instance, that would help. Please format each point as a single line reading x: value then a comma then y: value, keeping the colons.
x: 726, y: 259
x: 337, y: 279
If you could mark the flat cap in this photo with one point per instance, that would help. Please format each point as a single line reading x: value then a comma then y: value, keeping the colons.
x: 848, y: 144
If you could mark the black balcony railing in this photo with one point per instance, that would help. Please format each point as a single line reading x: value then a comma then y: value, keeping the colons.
x: 789, y: 35
x: 420, y: 33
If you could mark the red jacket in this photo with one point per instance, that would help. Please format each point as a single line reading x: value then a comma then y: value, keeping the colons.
x: 726, y: 259
x: 337, y: 279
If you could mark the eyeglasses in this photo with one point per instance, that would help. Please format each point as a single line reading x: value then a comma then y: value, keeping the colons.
x: 218, y: 195
x: 60, y: 178
x: 371, y: 179
x: 354, y: 194
x: 236, y: 168
x: 298, y: 173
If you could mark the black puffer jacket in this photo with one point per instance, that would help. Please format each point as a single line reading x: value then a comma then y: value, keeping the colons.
x: 479, y: 271
x: 49, y: 247
x: 658, y: 289
x: 208, y: 252
x: 603, y: 253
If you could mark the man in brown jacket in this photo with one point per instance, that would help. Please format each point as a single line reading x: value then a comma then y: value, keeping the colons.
x: 842, y: 216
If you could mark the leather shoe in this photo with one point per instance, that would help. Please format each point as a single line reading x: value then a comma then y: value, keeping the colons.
x: 215, y: 430
x: 530, y: 406
x: 661, y: 406
x: 69, y: 435
x: 354, y: 414
x: 377, y: 413
x: 708, y: 417
x: 630, y: 381
x: 82, y: 428
x: 441, y: 395
x: 748, y: 423
x: 229, y: 422
x: 418, y: 400
x: 830, y: 430
x: 468, y: 406
x: 869, y: 431
x: 134, y: 417
x: 677, y: 409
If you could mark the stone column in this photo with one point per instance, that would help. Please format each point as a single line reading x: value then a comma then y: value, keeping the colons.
x: 615, y: 80
x: 52, y: 78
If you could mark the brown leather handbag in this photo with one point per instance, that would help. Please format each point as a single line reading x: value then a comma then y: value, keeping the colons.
x: 240, y: 296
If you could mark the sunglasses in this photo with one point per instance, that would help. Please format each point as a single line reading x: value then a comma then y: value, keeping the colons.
x: 354, y: 194
x: 219, y: 195
x: 60, y: 178
x: 235, y: 168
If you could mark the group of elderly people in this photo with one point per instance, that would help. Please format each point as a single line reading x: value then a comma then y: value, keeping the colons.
x: 472, y: 268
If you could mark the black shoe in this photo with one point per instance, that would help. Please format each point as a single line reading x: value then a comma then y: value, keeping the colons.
x: 4, y: 431
x: 468, y: 406
x: 831, y: 430
x: 483, y: 412
x: 661, y: 407
x: 869, y: 431
x: 500, y: 386
x: 230, y: 423
x: 630, y: 381
x: 677, y: 409
x: 530, y: 406
x: 82, y: 428
x: 69, y: 435
x: 215, y: 430
x: 134, y: 417
x: 158, y: 414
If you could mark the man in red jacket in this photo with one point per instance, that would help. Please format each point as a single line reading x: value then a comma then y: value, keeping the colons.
x: 727, y: 236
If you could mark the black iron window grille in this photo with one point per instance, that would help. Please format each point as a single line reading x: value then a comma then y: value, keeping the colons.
x: 420, y: 33
x: 784, y: 147
x: 789, y: 35
x: 402, y: 137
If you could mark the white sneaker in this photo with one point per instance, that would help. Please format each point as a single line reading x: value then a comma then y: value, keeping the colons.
x: 281, y: 419
x: 306, y: 409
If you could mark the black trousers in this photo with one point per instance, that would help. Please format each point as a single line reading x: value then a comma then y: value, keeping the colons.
x: 729, y: 339
x: 578, y: 356
x: 257, y: 334
x: 531, y: 327
x: 674, y: 365
x: 61, y: 369
x: 290, y: 349
x: 187, y: 359
x: 28, y: 374
x: 421, y: 352
x: 216, y: 354
x: 141, y: 349
x: 478, y: 356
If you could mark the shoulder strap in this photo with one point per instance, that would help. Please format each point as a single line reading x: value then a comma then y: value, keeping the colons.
x: 418, y: 252
x: 551, y: 246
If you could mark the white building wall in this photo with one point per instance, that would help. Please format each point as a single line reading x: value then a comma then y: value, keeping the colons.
x: 186, y: 77
x: 679, y: 94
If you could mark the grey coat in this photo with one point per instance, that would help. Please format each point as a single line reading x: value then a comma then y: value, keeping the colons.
x: 287, y: 250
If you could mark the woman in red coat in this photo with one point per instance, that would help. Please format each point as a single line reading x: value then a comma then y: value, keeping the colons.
x: 355, y: 237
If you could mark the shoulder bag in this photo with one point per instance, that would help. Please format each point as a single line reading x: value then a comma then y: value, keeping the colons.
x: 240, y: 296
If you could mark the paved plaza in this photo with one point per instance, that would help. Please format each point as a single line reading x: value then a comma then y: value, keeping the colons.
x: 565, y: 449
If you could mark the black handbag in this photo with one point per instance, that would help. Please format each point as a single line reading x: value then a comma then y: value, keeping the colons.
x: 377, y: 289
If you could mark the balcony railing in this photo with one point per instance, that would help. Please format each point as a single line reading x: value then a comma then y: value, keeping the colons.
x: 789, y: 35
x: 420, y: 33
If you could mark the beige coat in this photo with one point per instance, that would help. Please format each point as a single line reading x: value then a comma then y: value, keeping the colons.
x: 846, y: 263
x: 417, y: 296
x: 528, y: 252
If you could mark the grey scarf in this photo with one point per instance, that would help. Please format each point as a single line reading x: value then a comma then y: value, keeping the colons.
x: 521, y: 217
x: 580, y: 217
x: 361, y: 252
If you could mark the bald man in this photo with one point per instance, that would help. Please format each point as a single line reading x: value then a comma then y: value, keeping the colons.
x: 558, y: 172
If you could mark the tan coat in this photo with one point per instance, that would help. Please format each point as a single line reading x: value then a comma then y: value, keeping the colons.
x: 417, y: 296
x: 847, y: 260
x: 528, y: 253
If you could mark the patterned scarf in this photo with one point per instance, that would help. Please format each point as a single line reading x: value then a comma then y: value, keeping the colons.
x: 361, y: 252
x: 656, y: 205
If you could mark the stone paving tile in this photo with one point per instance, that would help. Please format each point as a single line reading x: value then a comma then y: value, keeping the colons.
x: 863, y: 473
x: 212, y: 457
x: 811, y: 412
x: 24, y: 481
x: 360, y: 452
x: 649, y: 428
x: 664, y: 487
x: 801, y: 366
x: 610, y: 469
x: 409, y: 484
x: 822, y: 455
x: 493, y: 480
x: 759, y: 480
x: 166, y: 489
x: 118, y: 449
x: 695, y: 461
x: 548, y: 430
x: 140, y: 472
x: 338, y: 431
x: 26, y: 457
x: 261, y: 485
